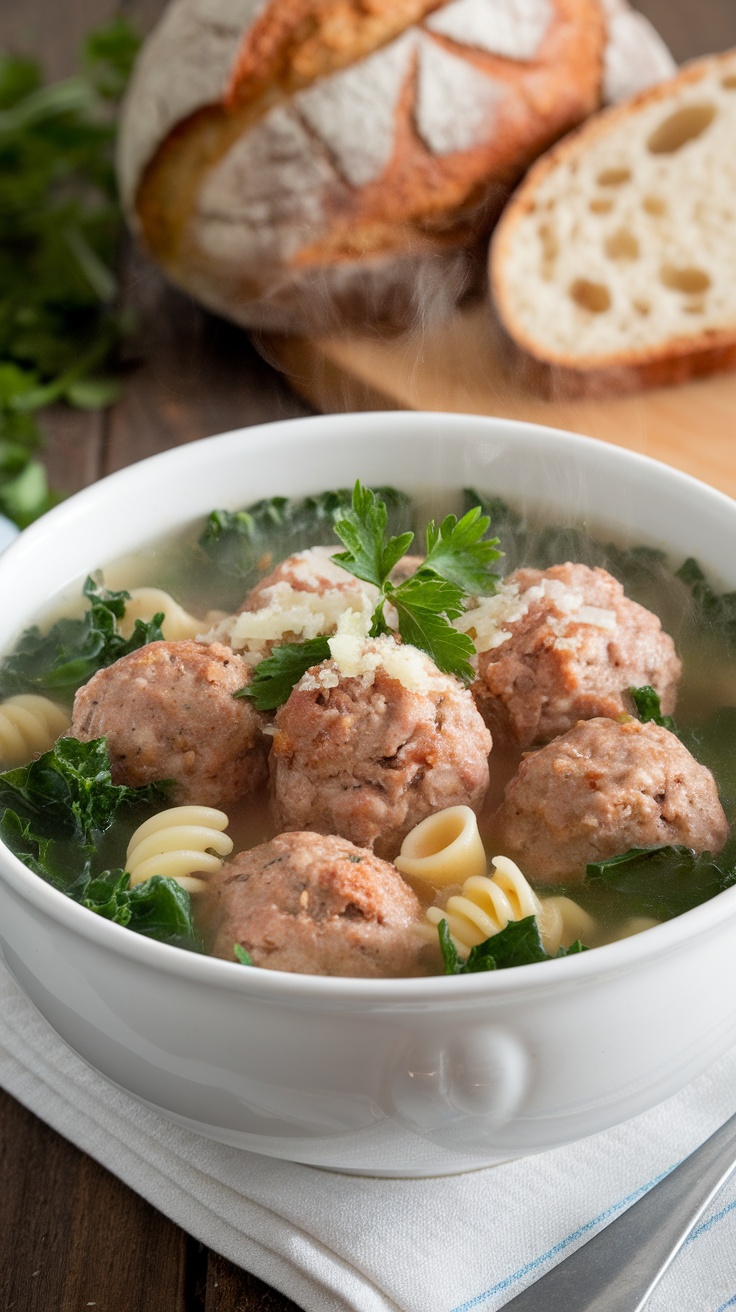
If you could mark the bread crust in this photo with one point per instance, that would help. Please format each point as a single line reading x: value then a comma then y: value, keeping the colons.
x: 249, y: 206
x: 565, y: 374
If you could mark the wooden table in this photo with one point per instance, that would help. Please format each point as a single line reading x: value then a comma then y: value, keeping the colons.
x: 71, y: 1235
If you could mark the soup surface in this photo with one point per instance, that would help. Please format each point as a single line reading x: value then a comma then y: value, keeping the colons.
x: 299, y: 642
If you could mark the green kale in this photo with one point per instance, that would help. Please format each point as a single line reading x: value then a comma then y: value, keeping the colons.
x: 712, y: 743
x: 715, y: 611
x: 648, y: 708
x: 274, y: 677
x: 519, y: 944
x: 68, y: 792
x: 664, y: 881
x: 241, y: 955
x: 245, y: 544
x: 60, y: 224
x: 60, y: 661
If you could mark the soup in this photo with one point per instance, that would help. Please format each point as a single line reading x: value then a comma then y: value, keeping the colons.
x: 341, y: 905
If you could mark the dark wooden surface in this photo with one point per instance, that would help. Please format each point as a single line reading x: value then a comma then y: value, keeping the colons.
x: 71, y: 1235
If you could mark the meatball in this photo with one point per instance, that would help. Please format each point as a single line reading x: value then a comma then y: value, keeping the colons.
x: 312, y: 570
x: 575, y: 645
x: 601, y: 789
x: 317, y: 906
x: 368, y: 750
x: 168, y: 713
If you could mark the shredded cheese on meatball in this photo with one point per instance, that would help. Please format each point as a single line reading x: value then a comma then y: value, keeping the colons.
x: 488, y: 620
x: 290, y: 616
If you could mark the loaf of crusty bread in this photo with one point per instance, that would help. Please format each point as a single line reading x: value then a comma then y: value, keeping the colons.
x: 615, y: 262
x: 299, y: 164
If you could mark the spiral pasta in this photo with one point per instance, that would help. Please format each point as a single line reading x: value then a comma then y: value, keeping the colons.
x: 487, y: 904
x: 144, y: 603
x: 443, y: 849
x: 179, y: 843
x: 29, y: 725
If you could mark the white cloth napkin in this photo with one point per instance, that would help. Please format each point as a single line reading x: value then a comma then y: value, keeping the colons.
x: 334, y: 1243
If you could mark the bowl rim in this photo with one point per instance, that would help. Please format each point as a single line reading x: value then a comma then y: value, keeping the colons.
x: 338, y: 992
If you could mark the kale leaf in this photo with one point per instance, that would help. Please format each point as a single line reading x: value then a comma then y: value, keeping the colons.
x: 60, y: 661
x: 519, y: 944
x: 717, y: 611
x: 68, y: 792
x: 664, y: 881
x: 648, y: 708
x: 245, y: 544
x: 241, y: 955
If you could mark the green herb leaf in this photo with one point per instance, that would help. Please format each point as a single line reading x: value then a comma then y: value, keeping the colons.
x: 460, y: 552
x: 59, y: 228
x: 275, y: 676
x: 422, y: 606
x: 664, y: 881
x: 241, y: 955
x: 518, y: 944
x: 362, y: 529
x: 648, y: 708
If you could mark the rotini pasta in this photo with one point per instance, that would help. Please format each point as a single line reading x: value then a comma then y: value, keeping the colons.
x: 146, y: 602
x: 487, y: 904
x: 29, y: 725
x: 446, y: 848
x: 179, y: 843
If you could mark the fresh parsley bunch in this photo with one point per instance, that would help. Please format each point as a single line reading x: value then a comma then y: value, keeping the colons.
x: 60, y: 224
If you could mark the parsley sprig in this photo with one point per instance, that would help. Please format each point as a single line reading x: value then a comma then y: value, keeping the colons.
x: 456, y: 563
x: 59, y: 227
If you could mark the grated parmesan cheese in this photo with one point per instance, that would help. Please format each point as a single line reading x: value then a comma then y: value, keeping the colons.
x: 354, y: 656
x: 488, y: 620
x: 291, y: 615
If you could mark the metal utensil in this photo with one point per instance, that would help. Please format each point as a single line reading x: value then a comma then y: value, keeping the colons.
x: 617, y: 1270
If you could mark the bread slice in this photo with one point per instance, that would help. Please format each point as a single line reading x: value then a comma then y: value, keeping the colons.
x: 615, y: 261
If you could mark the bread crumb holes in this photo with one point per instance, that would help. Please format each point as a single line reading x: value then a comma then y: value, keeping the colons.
x: 678, y: 129
x: 622, y: 245
x: 689, y: 280
x: 592, y: 296
x: 642, y: 307
x: 613, y: 177
x: 601, y: 206
x: 654, y: 205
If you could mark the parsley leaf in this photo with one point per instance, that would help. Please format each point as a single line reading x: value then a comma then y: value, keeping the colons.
x: 275, y: 676
x: 362, y: 529
x: 422, y: 606
x: 519, y: 944
x: 61, y: 660
x: 648, y: 708
x: 241, y: 955
x: 60, y: 223
x: 459, y: 551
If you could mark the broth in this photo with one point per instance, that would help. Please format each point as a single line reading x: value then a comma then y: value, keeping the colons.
x: 202, y: 580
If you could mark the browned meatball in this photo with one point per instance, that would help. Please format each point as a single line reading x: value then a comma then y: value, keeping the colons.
x: 168, y: 712
x: 317, y: 906
x: 312, y: 570
x: 368, y: 757
x: 600, y: 790
x: 580, y: 644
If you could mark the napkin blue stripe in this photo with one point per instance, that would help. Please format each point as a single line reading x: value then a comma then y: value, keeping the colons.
x: 506, y: 1283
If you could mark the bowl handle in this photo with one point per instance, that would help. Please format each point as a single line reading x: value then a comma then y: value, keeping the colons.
x: 482, y: 1072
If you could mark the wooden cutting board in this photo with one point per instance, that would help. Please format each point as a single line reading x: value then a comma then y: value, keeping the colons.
x: 461, y: 366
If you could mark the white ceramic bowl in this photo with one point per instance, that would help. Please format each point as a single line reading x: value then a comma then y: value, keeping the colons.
x: 394, y: 1077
